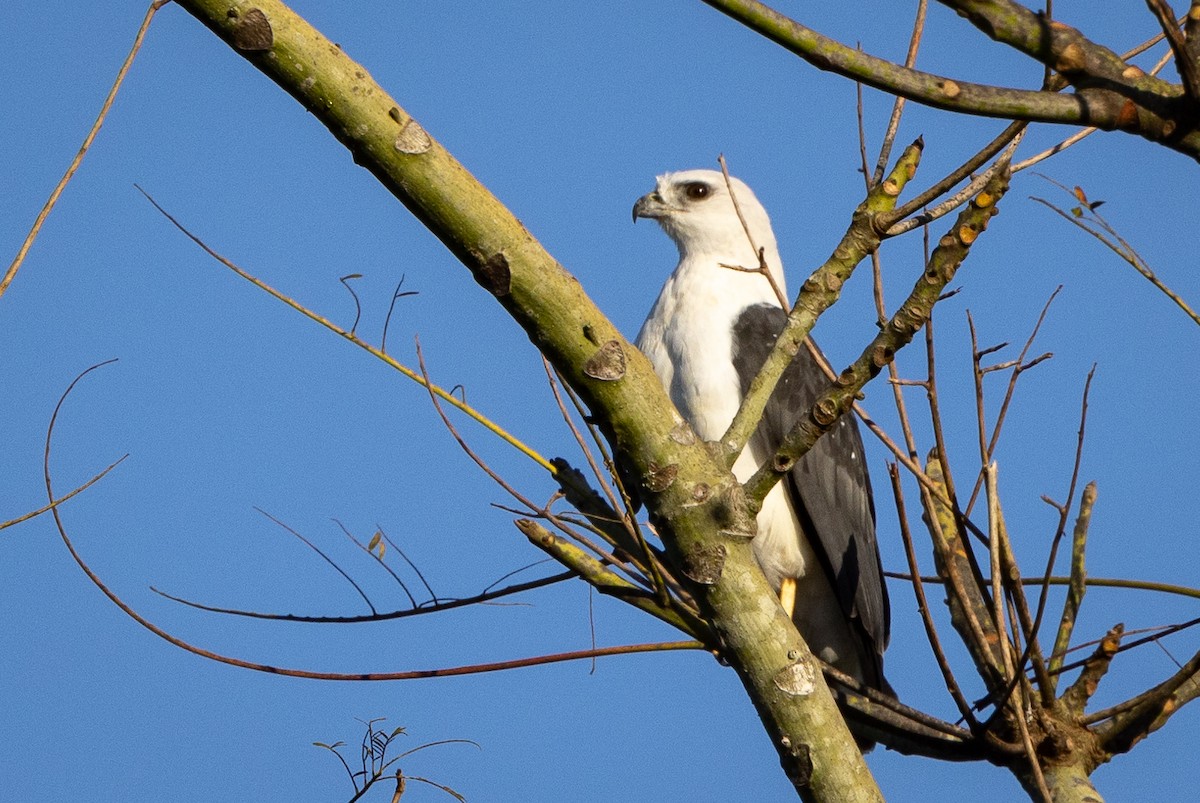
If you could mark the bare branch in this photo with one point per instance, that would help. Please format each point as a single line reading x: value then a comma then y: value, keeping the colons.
x: 1120, y: 247
x: 1078, y: 579
x: 78, y: 490
x: 1108, y: 95
x: 407, y: 372
x: 819, y: 292
x: 943, y: 264
x: 1189, y: 68
x: 927, y: 88
x: 604, y: 581
x: 324, y: 557
x: 970, y: 608
x: 36, y: 228
x: 441, y: 604
x: 935, y: 643
x: 1152, y: 710
x: 889, y: 136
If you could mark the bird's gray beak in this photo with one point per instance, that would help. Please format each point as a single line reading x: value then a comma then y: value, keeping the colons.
x: 649, y: 206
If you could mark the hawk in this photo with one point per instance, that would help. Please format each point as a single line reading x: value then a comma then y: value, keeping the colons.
x: 708, y: 334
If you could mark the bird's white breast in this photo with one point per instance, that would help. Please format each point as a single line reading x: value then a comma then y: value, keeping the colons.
x: 688, y: 337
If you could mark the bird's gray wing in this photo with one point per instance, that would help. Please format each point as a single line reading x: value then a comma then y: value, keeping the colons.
x: 830, y: 485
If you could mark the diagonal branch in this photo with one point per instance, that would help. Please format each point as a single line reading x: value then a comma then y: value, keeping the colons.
x: 1114, y: 96
x: 1154, y: 708
x: 57, y: 192
x: 1085, y: 213
x: 1094, y: 669
x: 819, y: 292
x: 1189, y: 68
x: 952, y: 249
x: 1077, y: 584
x: 56, y: 502
x: 932, y: 90
x: 606, y: 582
x: 693, y: 500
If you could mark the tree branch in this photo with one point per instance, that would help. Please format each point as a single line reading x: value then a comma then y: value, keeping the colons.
x: 594, y: 572
x: 1189, y: 69
x: 1077, y: 585
x: 695, y: 502
x: 819, y: 292
x: 1114, y: 96
x: 926, y: 88
x: 1154, y: 707
x: 952, y: 249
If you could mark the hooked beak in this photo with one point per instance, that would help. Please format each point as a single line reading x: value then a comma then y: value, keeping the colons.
x: 650, y: 206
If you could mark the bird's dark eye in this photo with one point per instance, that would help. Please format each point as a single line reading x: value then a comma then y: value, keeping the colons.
x: 697, y: 190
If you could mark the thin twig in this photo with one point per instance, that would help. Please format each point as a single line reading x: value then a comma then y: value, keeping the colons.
x: 34, y: 513
x: 412, y: 565
x: 762, y: 268
x: 1121, y: 247
x: 935, y: 643
x: 442, y: 604
x: 910, y: 60
x: 387, y: 320
x: 379, y: 559
x: 34, y: 230
x: 1019, y: 366
x: 1189, y: 71
x: 407, y: 372
x: 324, y: 556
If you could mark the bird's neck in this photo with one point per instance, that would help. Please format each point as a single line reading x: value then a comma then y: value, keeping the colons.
x: 727, y: 278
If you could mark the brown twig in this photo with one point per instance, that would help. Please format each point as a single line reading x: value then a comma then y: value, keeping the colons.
x: 1121, y: 247
x: 1078, y: 575
x: 80, y: 489
x: 763, y: 269
x: 407, y: 372
x: 935, y: 643
x: 910, y: 59
x: 532, y: 509
x: 48, y: 207
x: 987, y: 445
x: 278, y: 670
x: 324, y: 557
x: 438, y: 606
x: 378, y: 558
x: 1189, y: 69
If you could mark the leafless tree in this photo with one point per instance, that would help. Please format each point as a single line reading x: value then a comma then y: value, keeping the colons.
x: 702, y: 579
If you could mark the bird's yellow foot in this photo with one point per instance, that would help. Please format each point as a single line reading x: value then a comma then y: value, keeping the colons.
x: 787, y: 595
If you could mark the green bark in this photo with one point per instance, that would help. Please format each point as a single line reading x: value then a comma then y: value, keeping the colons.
x: 696, y: 504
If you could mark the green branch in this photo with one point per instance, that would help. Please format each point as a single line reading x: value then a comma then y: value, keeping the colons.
x: 697, y: 506
x: 952, y: 249
x: 818, y: 294
x: 1126, y: 100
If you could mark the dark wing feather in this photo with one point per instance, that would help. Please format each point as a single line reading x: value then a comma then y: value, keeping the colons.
x: 831, y: 487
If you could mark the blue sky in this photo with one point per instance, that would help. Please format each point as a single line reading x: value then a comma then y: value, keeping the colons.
x: 226, y: 400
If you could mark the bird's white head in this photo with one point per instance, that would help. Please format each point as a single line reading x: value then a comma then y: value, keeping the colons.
x: 696, y: 210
